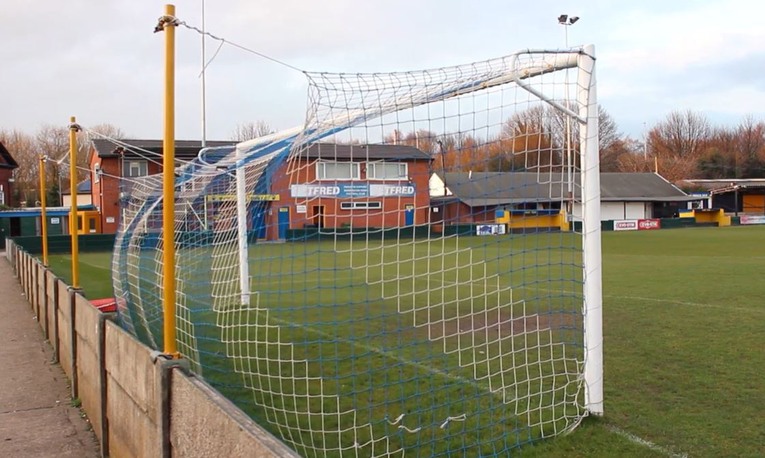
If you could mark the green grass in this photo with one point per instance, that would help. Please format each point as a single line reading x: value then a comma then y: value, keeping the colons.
x: 683, y: 339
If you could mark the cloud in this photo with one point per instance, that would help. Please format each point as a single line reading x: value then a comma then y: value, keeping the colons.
x: 101, y: 61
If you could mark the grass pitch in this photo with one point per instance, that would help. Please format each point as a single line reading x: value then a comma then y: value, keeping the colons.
x: 683, y: 344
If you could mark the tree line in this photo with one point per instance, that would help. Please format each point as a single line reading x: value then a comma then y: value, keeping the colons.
x: 51, y: 142
x: 682, y: 145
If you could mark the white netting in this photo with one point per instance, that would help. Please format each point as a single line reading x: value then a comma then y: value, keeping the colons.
x: 409, y: 277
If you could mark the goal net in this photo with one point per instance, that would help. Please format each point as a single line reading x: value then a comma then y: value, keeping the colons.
x: 413, y: 272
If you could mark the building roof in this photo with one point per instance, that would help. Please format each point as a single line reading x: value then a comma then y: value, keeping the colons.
x: 83, y: 187
x: 187, y: 149
x: 502, y: 188
x: 30, y: 212
x: 6, y: 160
x: 334, y: 151
x: 723, y: 185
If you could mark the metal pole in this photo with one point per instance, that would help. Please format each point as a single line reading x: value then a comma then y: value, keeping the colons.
x: 168, y: 186
x: 73, y: 216
x: 241, y: 218
x: 204, y: 94
x: 567, y: 147
x: 593, y: 267
x: 43, y: 213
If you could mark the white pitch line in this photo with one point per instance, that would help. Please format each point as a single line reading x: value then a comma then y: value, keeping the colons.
x: 645, y: 443
x: 97, y: 266
x: 691, y: 304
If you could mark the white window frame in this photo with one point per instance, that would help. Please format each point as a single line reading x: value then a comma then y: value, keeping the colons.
x: 368, y: 205
x: 142, y: 164
x: 403, y: 170
x: 2, y: 195
x: 354, y: 169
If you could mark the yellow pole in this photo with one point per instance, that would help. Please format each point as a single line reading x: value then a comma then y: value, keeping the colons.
x: 73, y: 229
x: 43, y: 213
x: 168, y: 182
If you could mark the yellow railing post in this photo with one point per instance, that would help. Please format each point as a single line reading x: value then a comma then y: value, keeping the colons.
x: 43, y: 213
x: 73, y: 216
x: 168, y: 185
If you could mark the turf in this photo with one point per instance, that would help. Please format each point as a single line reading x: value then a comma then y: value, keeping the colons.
x: 683, y: 344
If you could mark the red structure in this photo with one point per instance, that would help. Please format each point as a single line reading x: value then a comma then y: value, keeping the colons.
x: 325, y: 186
x: 110, y: 162
x: 7, y: 165
x: 350, y: 186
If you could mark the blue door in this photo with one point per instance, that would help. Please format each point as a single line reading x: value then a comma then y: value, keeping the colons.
x: 409, y: 215
x: 259, y: 223
x: 284, y: 222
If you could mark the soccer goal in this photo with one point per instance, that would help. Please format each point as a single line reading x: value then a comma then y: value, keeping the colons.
x: 413, y: 272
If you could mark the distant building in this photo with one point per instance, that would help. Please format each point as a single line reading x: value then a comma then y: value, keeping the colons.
x: 110, y: 162
x: 353, y: 186
x: 484, y: 197
x: 84, y: 196
x: 7, y: 165
x: 735, y: 195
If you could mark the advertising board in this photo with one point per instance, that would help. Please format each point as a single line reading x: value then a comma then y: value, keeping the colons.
x: 626, y: 225
x: 649, y: 224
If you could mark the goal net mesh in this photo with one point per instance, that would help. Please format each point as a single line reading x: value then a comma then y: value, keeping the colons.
x: 402, y: 276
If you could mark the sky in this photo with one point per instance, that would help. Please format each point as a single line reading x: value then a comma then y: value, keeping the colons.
x: 100, y: 61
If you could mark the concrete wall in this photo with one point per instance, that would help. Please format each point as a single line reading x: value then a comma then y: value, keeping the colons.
x: 87, y: 334
x: 139, y: 405
x: 64, y: 335
x: 132, y: 393
x: 196, y: 420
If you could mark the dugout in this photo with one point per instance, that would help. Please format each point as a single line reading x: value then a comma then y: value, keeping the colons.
x: 735, y: 195
x: 27, y: 222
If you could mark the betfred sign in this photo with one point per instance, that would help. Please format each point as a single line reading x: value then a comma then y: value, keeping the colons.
x: 350, y: 190
x: 649, y: 224
x: 626, y: 225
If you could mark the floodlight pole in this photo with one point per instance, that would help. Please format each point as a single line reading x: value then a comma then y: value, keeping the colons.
x: 73, y: 216
x: 566, y: 21
x: 43, y: 213
x: 167, y: 24
x: 204, y: 88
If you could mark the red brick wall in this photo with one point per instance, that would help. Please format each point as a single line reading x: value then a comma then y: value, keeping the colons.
x: 106, y: 192
x: 105, y: 196
x: 5, y: 175
x: 392, y: 213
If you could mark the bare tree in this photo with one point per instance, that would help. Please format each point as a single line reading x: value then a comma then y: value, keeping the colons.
x: 678, y: 142
x: 719, y: 159
x: 750, y: 148
x: 608, y: 130
x: 52, y: 142
x: 628, y: 155
x: 250, y: 130
x: 26, y: 177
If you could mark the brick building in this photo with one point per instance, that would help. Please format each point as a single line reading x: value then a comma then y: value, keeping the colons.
x: 109, y: 162
x: 350, y: 186
x: 7, y: 165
